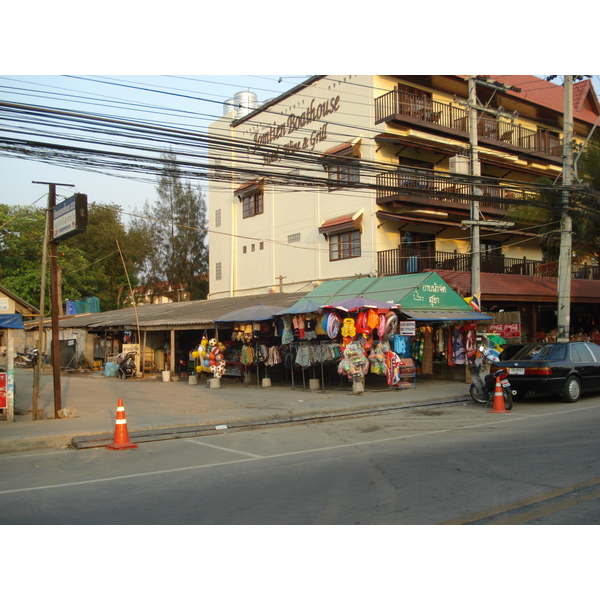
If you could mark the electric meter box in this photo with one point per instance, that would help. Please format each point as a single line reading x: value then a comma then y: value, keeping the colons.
x: 459, y: 165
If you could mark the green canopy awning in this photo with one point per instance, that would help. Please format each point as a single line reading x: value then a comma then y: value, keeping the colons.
x: 421, y: 296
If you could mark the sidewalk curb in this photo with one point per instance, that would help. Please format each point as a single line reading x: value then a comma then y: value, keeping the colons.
x: 179, y: 432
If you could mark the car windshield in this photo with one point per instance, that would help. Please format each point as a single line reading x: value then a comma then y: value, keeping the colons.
x: 542, y: 352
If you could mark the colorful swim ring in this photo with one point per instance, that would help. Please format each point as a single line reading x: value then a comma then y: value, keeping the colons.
x: 391, y: 324
x: 333, y: 326
x: 381, y: 326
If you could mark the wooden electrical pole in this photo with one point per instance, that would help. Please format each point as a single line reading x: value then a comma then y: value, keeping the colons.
x: 55, y: 308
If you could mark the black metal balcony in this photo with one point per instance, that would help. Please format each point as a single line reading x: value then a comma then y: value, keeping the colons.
x: 414, y: 182
x: 409, y: 108
x: 401, y: 261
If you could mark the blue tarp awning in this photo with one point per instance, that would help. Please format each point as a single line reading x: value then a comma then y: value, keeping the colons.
x: 11, y: 321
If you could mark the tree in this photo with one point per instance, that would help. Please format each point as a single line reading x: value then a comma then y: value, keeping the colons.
x: 21, y: 251
x: 583, y: 206
x: 178, y: 264
x: 100, y: 245
x: 90, y: 263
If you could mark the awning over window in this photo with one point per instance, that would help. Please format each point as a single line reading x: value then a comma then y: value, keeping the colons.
x: 351, y: 148
x: 343, y: 223
x: 249, y: 188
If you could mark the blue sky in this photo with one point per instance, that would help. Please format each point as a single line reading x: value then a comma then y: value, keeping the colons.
x: 130, y: 42
x: 105, y: 95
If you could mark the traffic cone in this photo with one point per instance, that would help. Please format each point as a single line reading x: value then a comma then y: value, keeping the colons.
x: 498, y: 399
x: 121, y: 438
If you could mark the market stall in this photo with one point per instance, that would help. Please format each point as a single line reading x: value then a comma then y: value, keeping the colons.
x: 436, y: 328
x: 253, y: 330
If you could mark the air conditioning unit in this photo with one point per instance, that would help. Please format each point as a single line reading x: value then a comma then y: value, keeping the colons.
x: 460, y: 165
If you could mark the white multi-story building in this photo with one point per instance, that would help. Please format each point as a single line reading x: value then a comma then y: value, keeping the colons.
x: 368, y: 175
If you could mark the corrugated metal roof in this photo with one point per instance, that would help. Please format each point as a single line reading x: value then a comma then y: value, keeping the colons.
x: 176, y: 314
x: 497, y: 284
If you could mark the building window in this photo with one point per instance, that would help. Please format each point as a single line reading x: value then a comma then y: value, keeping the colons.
x: 218, y: 272
x: 295, y: 237
x: 252, y: 204
x: 342, y: 173
x: 344, y: 245
x: 218, y: 217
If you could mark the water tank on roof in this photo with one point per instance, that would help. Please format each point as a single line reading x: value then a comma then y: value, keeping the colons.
x: 244, y: 103
x: 228, y: 107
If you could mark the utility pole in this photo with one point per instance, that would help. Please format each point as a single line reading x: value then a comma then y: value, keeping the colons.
x: 475, y: 168
x: 566, y: 226
x: 37, y: 369
x: 54, y: 300
x: 476, y: 172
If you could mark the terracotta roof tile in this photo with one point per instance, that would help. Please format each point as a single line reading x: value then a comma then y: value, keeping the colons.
x: 550, y: 95
x: 337, y: 221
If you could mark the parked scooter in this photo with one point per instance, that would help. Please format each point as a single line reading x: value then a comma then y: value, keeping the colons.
x: 28, y: 358
x: 127, y: 366
x: 483, y: 388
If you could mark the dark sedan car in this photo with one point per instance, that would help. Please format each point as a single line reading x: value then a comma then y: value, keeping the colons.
x: 564, y: 369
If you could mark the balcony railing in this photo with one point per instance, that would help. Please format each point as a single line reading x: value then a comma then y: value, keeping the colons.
x: 401, y: 261
x: 407, y: 182
x: 397, y: 104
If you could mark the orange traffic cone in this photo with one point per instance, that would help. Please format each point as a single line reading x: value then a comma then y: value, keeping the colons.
x: 121, y: 439
x: 498, y: 399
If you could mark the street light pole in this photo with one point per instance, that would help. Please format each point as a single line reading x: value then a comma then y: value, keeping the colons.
x: 566, y: 227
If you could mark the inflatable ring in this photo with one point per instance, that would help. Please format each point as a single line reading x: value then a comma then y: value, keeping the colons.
x: 333, y: 326
x: 381, y: 327
x: 391, y: 324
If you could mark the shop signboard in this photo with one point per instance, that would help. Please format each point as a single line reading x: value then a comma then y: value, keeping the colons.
x: 70, y: 217
x: 3, y: 390
x: 506, y: 330
x: 407, y: 327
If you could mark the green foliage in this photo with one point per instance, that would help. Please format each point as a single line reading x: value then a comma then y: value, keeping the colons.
x: 90, y: 263
x: 583, y: 208
x: 178, y: 263
x: 100, y: 245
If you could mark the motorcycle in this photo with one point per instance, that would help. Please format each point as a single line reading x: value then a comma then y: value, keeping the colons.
x: 127, y: 366
x: 27, y: 358
x: 483, y: 386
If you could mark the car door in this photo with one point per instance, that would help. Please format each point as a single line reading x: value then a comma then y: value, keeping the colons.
x: 594, y: 350
x: 584, y: 363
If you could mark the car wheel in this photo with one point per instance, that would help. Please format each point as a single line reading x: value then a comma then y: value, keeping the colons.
x: 508, y: 402
x: 475, y: 395
x: 572, y: 389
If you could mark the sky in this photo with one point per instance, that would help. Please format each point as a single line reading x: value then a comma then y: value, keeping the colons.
x: 200, y: 51
x: 106, y: 94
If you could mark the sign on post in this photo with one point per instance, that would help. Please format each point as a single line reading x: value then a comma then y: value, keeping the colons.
x: 3, y: 403
x: 70, y: 217
x: 407, y: 328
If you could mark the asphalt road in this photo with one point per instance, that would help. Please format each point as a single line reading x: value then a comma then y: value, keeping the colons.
x: 458, y: 464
